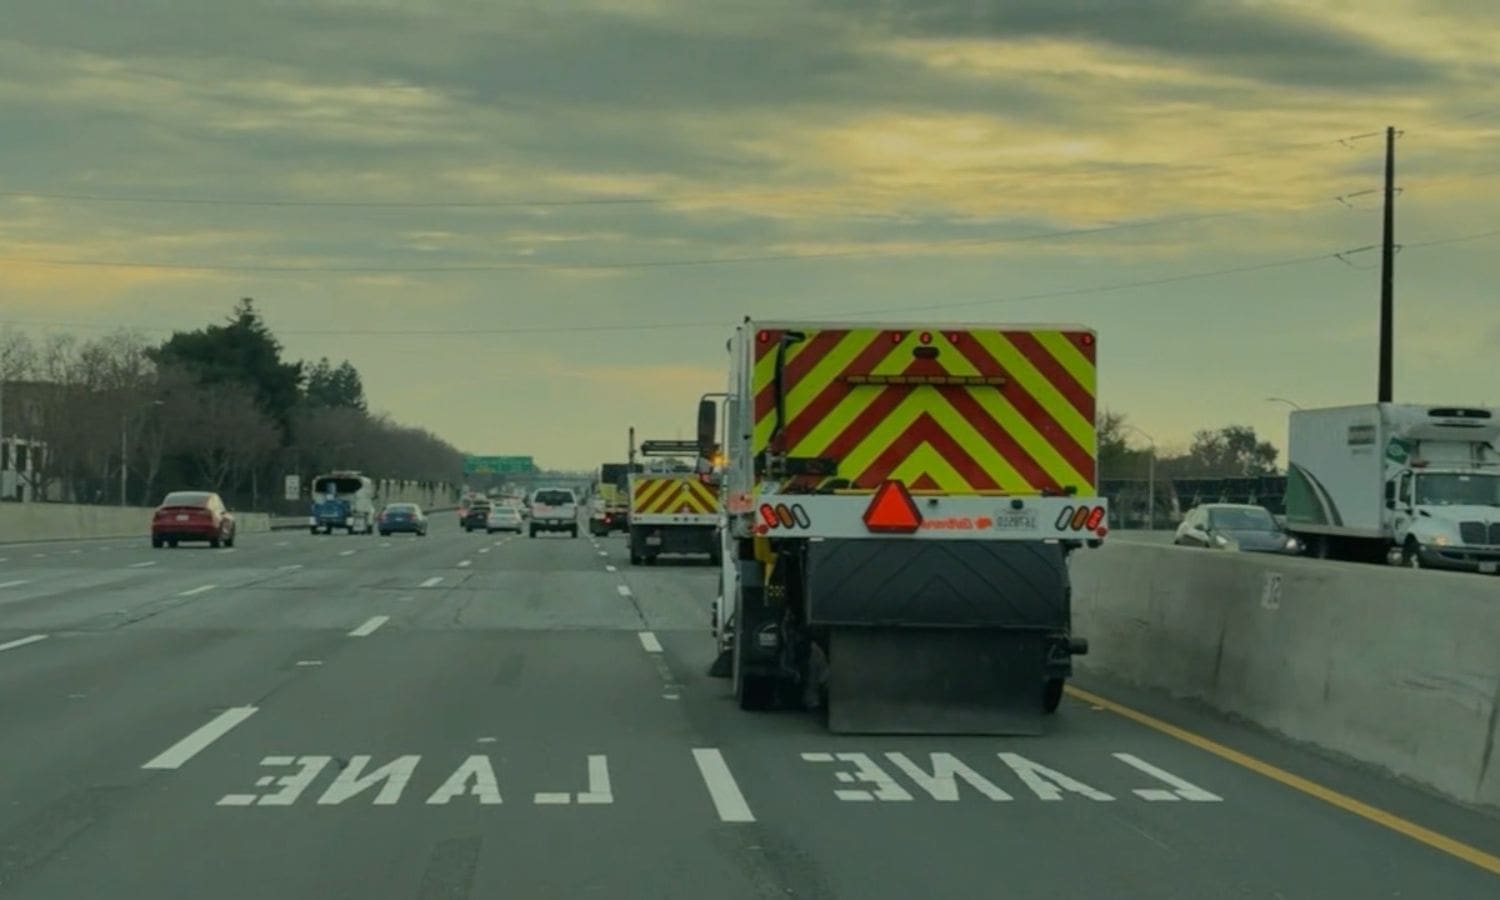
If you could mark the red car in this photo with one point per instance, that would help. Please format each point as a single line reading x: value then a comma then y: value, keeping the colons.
x: 192, y: 516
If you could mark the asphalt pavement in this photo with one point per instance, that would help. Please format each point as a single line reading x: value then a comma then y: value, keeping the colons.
x: 469, y: 715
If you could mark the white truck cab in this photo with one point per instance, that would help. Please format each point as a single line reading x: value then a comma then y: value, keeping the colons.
x: 1407, y: 483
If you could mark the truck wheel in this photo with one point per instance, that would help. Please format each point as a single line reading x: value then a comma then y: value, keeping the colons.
x: 312, y: 530
x: 635, y: 558
x: 1411, y: 555
x: 1052, y: 694
x: 215, y: 543
x: 575, y: 532
x: 533, y: 531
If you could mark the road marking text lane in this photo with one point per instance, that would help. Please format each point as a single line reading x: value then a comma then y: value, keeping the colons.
x: 723, y: 790
x: 179, y: 753
x: 368, y: 628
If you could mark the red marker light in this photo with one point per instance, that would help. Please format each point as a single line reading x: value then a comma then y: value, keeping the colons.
x: 1088, y: 340
x: 1095, y: 519
x: 953, y: 338
x: 895, y: 337
x: 763, y: 336
x: 892, y: 510
x: 768, y: 515
x: 926, y: 337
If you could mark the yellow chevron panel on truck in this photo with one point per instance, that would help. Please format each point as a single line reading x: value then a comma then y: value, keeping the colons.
x: 970, y: 409
x: 674, y: 495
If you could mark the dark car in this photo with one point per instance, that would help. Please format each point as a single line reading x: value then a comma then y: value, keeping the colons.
x: 192, y: 516
x: 402, y: 517
x: 1235, y: 526
x: 477, y: 516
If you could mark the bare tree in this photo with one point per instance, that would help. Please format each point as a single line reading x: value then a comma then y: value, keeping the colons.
x: 225, y: 432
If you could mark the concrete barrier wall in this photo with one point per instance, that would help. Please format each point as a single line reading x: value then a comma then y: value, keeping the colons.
x: 1390, y: 666
x: 66, y: 522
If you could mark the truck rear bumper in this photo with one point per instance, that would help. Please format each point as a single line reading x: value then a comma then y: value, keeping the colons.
x: 1018, y: 585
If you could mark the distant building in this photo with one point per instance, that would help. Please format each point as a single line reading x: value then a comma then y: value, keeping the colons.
x: 21, y: 457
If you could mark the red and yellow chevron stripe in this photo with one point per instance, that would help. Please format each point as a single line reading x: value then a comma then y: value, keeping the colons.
x: 1008, y: 410
x: 672, y: 495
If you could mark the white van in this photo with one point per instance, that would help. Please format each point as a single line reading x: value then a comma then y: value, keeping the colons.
x: 554, y: 509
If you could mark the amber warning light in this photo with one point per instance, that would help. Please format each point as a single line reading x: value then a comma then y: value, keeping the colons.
x: 892, y: 510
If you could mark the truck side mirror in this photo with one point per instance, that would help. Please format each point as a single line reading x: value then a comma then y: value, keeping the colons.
x: 708, y: 426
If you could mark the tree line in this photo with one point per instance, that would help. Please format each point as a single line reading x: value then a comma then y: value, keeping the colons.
x: 218, y: 408
x: 1232, y: 451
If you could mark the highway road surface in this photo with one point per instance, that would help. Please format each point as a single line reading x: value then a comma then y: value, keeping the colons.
x: 467, y: 716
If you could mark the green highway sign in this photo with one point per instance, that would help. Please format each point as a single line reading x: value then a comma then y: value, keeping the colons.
x: 498, y: 465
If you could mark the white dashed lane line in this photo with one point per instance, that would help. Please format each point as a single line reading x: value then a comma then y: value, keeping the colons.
x: 143, y: 565
x: 649, y: 642
x: 201, y: 589
x: 434, y: 581
x: 179, y: 753
x: 10, y: 584
x: 624, y: 590
x: 347, y: 552
x: 464, y: 564
x: 610, y: 569
x: 729, y: 801
x: 21, y: 642
x: 368, y: 628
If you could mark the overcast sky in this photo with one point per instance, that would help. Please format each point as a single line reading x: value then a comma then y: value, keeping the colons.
x: 916, y: 160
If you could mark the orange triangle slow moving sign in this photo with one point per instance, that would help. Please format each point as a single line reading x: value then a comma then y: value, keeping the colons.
x: 892, y: 510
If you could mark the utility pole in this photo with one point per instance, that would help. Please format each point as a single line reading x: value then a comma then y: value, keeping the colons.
x: 1387, y: 267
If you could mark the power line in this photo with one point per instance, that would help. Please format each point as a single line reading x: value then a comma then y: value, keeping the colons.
x: 722, y: 323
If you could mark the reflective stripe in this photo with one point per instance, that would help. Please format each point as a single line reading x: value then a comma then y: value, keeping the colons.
x: 996, y: 410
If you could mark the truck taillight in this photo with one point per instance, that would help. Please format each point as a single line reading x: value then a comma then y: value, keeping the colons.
x: 768, y: 515
x: 1095, y: 518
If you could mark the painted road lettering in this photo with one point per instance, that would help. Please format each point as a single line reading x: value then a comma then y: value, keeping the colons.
x: 392, y: 778
x: 476, y: 777
x: 1048, y: 784
x: 866, y: 771
x: 947, y: 772
x: 473, y: 780
x: 945, y: 778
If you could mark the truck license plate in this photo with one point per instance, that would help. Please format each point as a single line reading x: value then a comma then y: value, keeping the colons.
x: 1016, y: 521
x: 653, y: 540
x: 182, y: 517
x: 1488, y: 568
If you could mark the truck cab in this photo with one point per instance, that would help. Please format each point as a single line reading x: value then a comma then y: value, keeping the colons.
x: 344, y: 500
x: 1446, y: 518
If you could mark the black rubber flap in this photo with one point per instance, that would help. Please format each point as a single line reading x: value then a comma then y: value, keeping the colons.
x: 935, y: 681
x: 891, y: 581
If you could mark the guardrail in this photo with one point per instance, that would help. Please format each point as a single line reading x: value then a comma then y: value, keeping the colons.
x: 1393, y: 667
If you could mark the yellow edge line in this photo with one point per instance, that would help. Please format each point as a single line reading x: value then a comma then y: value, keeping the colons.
x: 1468, y: 854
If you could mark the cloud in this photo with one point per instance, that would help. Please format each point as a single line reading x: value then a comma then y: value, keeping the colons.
x: 1277, y: 44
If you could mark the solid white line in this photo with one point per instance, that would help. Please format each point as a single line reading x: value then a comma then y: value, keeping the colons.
x: 649, y: 641
x: 465, y: 563
x: 6, y: 584
x: 369, y: 627
x: 29, y: 639
x: 722, y: 787
x: 433, y: 581
x: 624, y: 590
x: 142, y: 565
x: 174, y: 756
x: 201, y: 589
